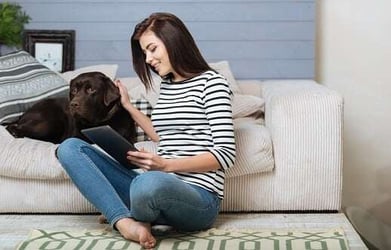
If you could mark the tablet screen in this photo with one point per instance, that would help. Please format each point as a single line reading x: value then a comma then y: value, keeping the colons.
x: 111, y: 142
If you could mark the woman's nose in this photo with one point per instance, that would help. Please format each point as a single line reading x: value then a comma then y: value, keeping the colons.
x: 148, y: 58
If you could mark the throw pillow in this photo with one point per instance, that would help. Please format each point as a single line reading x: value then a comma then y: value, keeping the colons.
x: 223, y: 68
x: 254, y: 148
x: 137, y: 90
x: 23, y: 82
x: 109, y: 70
x: 145, y: 107
x: 247, y: 106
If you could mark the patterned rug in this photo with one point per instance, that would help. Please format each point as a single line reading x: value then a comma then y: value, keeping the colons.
x: 207, y: 240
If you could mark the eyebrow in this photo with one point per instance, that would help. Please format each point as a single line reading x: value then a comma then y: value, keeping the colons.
x: 148, y: 46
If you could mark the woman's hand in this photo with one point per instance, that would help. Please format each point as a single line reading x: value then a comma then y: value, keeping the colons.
x: 147, y: 161
x: 143, y: 121
x: 125, y: 99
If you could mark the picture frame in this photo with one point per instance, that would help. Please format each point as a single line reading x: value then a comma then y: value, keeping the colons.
x: 53, y: 48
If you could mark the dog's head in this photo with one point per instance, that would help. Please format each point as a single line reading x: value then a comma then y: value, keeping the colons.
x: 92, y: 98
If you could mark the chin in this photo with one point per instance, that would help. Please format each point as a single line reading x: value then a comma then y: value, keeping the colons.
x: 163, y: 75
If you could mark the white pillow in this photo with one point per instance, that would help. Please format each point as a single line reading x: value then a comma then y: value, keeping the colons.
x: 109, y: 70
x: 139, y: 92
x: 223, y: 68
x: 254, y: 150
x: 247, y: 106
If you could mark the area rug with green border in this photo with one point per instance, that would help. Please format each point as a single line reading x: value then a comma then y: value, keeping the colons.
x: 206, y: 240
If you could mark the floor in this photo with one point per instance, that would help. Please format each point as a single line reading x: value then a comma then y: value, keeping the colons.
x: 15, y: 228
x: 375, y: 230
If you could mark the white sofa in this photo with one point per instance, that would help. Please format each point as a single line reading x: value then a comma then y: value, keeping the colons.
x: 288, y: 137
x: 304, y: 120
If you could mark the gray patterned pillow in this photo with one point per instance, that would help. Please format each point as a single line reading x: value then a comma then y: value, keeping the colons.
x: 23, y: 82
x: 145, y: 107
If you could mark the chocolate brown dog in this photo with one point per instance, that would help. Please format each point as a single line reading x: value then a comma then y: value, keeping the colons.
x: 93, y: 100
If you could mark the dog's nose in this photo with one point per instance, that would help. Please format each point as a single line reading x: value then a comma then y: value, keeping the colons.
x: 74, y: 104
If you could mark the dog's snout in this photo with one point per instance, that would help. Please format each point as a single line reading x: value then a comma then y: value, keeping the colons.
x: 74, y: 104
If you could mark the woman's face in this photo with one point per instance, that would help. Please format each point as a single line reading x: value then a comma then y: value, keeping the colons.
x: 156, y: 54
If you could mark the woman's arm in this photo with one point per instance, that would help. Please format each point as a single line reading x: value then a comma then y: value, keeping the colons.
x: 199, y: 163
x: 139, y: 117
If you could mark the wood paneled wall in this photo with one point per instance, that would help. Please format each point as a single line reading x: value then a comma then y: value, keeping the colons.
x: 260, y: 39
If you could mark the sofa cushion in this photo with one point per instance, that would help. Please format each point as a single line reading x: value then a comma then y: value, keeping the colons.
x: 137, y: 90
x: 254, y: 150
x: 27, y: 158
x: 145, y: 107
x: 247, y: 106
x: 224, y: 68
x: 23, y: 82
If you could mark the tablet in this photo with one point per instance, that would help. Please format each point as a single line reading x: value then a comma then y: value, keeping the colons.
x: 111, y: 142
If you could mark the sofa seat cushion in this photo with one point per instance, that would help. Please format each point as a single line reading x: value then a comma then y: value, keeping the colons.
x: 26, y: 158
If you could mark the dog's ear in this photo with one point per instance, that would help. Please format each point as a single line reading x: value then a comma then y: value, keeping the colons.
x: 112, y: 94
x: 71, y: 83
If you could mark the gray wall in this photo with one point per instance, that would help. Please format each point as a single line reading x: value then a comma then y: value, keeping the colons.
x: 261, y: 39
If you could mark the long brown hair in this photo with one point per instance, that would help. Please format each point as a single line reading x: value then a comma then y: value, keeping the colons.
x: 183, y: 53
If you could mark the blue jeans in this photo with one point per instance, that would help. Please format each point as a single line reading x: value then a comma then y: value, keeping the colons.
x: 119, y: 192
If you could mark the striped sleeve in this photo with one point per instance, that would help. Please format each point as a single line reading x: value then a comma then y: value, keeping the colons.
x: 217, y: 99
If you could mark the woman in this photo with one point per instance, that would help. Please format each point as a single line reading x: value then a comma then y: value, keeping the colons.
x: 182, y: 185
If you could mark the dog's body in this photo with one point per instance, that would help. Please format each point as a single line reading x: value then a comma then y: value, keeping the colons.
x: 93, y: 100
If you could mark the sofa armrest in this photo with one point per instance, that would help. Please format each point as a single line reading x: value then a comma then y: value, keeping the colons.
x: 305, y: 120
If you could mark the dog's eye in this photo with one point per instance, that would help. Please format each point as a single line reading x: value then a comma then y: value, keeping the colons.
x: 91, y: 90
x: 73, y: 91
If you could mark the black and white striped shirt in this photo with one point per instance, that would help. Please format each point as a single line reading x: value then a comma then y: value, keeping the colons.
x: 194, y: 117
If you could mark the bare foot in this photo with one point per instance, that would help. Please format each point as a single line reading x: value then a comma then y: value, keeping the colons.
x: 136, y: 231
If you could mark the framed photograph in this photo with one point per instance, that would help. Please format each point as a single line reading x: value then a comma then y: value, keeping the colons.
x: 53, y: 48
